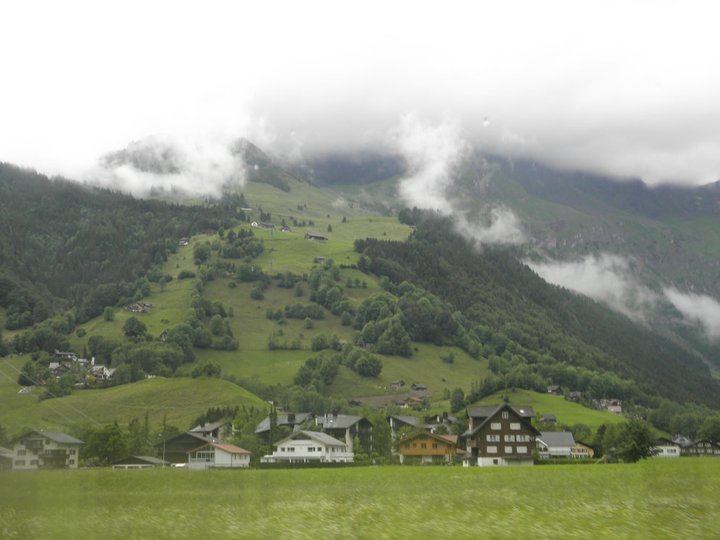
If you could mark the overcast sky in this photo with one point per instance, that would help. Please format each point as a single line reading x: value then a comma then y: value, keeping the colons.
x: 624, y: 88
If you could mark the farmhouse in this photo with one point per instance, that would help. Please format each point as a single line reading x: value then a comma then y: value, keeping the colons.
x: 398, y: 421
x: 700, y: 448
x: 216, y: 455
x: 555, y: 444
x: 499, y: 435
x: 139, y: 462
x: 45, y: 449
x: 427, y: 448
x: 314, y: 236
x: 665, y: 448
x: 308, y: 447
x: 347, y: 427
x: 175, y: 449
x: 582, y: 451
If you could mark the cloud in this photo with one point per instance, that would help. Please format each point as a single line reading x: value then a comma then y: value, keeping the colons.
x: 433, y: 154
x: 185, y: 165
x: 606, y: 278
x: 698, y: 308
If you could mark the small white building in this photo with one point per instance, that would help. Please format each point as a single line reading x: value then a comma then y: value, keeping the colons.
x: 45, y: 449
x: 555, y: 444
x: 217, y: 455
x: 666, y: 448
x: 310, y: 446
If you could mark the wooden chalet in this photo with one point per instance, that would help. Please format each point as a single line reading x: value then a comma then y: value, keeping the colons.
x: 427, y: 448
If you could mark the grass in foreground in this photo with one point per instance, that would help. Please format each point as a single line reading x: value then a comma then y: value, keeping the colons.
x: 655, y: 499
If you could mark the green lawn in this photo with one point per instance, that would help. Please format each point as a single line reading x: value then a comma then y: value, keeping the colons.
x: 567, y: 412
x: 655, y: 499
x: 180, y: 400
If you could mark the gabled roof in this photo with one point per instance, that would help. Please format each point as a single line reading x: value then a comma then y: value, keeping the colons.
x: 209, y: 426
x: 200, y: 438
x: 409, y: 420
x: 665, y: 442
x: 226, y: 447
x: 318, y: 436
x: 338, y: 421
x: 283, y: 420
x: 484, y: 411
x: 556, y: 438
x: 56, y: 436
x: 5, y: 453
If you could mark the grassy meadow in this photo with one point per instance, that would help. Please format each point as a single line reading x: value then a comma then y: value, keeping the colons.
x: 654, y: 499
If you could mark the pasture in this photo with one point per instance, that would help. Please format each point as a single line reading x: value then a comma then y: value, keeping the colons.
x: 654, y: 499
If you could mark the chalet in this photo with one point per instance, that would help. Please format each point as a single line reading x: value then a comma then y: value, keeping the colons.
x: 217, y: 455
x: 319, y: 259
x: 499, y: 435
x: 433, y: 422
x: 346, y: 427
x: 214, y: 430
x: 290, y: 421
x: 582, y: 451
x: 58, y: 369
x: 665, y: 448
x: 285, y: 228
x: 183, y: 242
x: 101, y: 372
x: 397, y: 385
x: 414, y: 402
x: 554, y: 390
x: 701, y: 448
x: 548, y: 419
x: 575, y: 396
x: 6, y: 459
x: 308, y: 447
x: 139, y: 462
x: 45, y: 450
x: 314, y: 236
x: 427, y: 448
x: 65, y: 355
x: 611, y: 405
x: 555, y: 444
x: 418, y: 386
x: 175, y: 449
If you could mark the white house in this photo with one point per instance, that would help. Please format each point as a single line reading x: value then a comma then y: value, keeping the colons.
x: 45, y: 449
x: 217, y: 455
x: 309, y: 446
x: 666, y: 448
x: 555, y: 444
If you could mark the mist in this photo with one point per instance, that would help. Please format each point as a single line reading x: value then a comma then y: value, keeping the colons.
x: 698, y: 309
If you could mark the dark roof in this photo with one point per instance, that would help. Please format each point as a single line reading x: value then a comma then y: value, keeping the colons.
x: 134, y: 460
x: 56, y: 436
x: 409, y: 420
x: 6, y: 453
x: 318, y: 436
x: 282, y: 420
x: 338, y: 421
x: 447, y: 439
x: 181, y: 436
x: 484, y: 411
x: 556, y: 438
x: 209, y: 426
x: 227, y: 447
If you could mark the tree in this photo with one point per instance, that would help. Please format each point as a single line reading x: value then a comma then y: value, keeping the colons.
x: 629, y: 442
x: 457, y: 400
x: 710, y: 429
x: 134, y: 328
x: 329, y: 229
x: 106, y: 444
x: 108, y: 314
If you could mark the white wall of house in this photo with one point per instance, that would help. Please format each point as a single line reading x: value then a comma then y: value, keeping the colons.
x: 298, y: 451
x: 210, y: 457
x: 554, y: 451
x: 499, y: 462
x: 667, y: 451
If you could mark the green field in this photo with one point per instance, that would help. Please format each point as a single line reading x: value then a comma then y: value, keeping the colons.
x: 567, y: 412
x: 655, y: 499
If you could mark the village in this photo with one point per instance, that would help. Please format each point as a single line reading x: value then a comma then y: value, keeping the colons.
x: 500, y: 435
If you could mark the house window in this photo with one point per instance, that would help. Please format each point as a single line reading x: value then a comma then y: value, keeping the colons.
x: 515, y: 425
x: 21, y: 452
x: 492, y: 449
x: 434, y: 445
x: 19, y: 462
x: 509, y: 438
x: 522, y: 449
x: 72, y: 462
x: 407, y: 445
x: 492, y: 438
x: 495, y: 461
x: 508, y: 449
x: 72, y: 451
x: 35, y: 462
x: 495, y: 425
x: 423, y: 445
x: 505, y: 415
x: 522, y: 438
